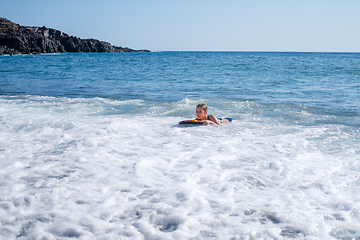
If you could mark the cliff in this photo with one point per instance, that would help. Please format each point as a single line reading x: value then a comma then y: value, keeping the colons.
x: 16, y: 39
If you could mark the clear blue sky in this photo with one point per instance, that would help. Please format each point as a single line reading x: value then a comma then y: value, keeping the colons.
x: 200, y: 25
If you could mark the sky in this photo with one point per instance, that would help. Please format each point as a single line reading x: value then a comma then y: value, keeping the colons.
x: 200, y: 25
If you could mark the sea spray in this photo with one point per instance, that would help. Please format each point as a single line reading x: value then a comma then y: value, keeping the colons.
x: 104, y: 165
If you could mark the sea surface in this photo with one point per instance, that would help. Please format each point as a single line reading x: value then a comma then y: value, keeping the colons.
x: 91, y: 148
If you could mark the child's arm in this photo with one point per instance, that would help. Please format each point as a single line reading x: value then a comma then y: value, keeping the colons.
x: 214, y: 119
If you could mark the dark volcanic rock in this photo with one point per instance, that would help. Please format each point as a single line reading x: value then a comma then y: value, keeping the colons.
x: 16, y: 39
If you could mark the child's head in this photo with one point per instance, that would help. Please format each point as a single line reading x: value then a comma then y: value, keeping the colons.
x: 201, y: 110
x: 203, y: 106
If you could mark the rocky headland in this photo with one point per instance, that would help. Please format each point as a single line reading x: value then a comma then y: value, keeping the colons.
x: 16, y: 39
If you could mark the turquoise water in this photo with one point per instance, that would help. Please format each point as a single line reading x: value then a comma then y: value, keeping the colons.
x: 90, y: 146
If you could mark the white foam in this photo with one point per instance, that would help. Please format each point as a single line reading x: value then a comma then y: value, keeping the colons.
x: 71, y: 169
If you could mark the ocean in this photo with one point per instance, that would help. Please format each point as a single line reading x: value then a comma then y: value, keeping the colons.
x: 91, y: 148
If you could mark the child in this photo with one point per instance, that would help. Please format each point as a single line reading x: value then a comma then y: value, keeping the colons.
x: 201, y: 114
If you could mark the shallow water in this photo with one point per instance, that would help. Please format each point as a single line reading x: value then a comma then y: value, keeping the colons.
x: 90, y: 146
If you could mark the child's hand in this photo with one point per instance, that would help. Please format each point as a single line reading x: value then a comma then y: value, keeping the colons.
x: 208, y: 122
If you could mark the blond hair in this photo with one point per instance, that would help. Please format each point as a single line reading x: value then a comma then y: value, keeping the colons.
x: 203, y: 106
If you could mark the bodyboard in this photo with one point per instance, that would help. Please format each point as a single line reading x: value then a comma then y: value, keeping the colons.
x: 197, y: 122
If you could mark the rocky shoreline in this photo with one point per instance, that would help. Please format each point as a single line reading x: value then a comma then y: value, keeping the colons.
x: 16, y: 39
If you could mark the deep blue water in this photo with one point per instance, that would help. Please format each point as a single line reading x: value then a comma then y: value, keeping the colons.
x: 327, y: 83
x: 320, y: 79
